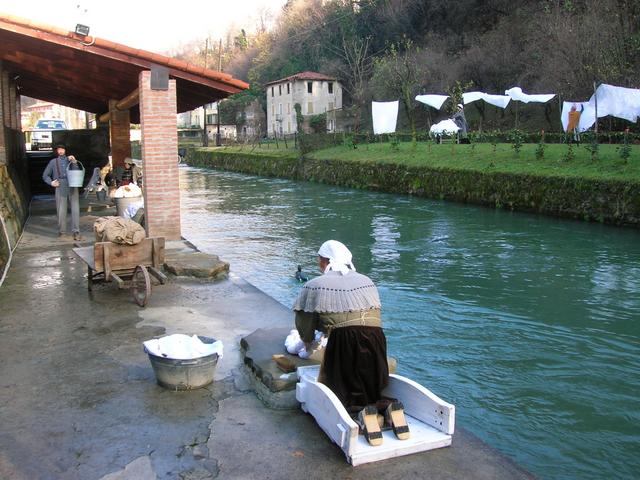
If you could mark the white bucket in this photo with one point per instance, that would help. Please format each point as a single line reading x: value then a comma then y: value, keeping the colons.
x: 75, y: 177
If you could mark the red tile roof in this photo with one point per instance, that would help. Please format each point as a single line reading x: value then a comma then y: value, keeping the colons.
x: 304, y: 76
x: 86, y: 72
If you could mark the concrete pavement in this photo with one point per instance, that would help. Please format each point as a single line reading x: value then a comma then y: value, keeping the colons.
x: 78, y: 398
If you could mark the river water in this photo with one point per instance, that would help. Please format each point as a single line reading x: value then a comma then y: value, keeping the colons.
x: 529, y: 325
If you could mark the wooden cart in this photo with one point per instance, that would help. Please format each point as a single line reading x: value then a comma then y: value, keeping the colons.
x: 130, y: 266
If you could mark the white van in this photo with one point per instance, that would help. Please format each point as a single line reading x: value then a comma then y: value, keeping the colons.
x: 41, y: 135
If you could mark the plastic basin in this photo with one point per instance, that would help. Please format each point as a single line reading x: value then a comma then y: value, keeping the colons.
x: 184, y: 374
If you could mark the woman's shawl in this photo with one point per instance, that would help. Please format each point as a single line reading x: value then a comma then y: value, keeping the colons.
x: 337, y: 293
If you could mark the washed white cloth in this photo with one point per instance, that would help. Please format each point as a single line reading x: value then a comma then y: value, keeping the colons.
x: 127, y: 191
x: 295, y: 346
x: 500, y: 101
x: 339, y: 257
x: 434, y: 101
x: 182, y: 347
x: 587, y: 117
x: 618, y: 102
x: 445, y: 127
x: 132, y: 209
x: 385, y: 117
x: 516, y: 93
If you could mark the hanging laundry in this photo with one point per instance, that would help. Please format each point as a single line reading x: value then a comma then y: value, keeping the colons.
x: 434, y: 101
x: 385, y: 117
x: 618, y: 102
x: 500, y: 101
x: 516, y: 93
x: 587, y: 117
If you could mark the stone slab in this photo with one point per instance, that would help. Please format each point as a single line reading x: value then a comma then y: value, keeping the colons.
x: 196, y: 264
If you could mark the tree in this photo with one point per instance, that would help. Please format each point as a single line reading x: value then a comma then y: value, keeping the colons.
x: 398, y: 75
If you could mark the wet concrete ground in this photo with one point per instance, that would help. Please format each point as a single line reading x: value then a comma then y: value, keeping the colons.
x: 78, y: 398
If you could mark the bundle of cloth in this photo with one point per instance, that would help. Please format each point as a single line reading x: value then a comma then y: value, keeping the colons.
x: 295, y: 346
x: 122, y: 231
x: 445, y: 127
x: 128, y: 191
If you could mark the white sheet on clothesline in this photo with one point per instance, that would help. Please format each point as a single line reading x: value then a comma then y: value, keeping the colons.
x: 434, y: 101
x: 587, y: 118
x: 385, y: 117
x: 516, y: 93
x: 618, y: 102
x: 500, y: 101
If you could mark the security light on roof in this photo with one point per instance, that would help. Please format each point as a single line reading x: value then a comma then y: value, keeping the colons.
x: 82, y: 30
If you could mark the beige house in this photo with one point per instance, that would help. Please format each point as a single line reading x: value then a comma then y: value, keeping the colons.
x: 316, y: 93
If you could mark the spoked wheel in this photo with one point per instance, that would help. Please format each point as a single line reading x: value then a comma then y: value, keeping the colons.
x: 141, y: 285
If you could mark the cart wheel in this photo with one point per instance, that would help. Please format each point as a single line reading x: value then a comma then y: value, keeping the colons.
x: 141, y: 285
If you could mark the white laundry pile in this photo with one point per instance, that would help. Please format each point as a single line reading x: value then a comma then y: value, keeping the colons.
x: 295, y: 346
x: 385, y: 117
x: 500, y: 101
x: 445, y: 127
x: 516, y: 93
x: 434, y: 101
x: 587, y: 117
x: 182, y: 347
x: 132, y: 209
x: 128, y: 191
x: 618, y: 102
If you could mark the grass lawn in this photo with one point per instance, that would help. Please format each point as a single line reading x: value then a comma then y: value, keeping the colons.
x: 482, y: 157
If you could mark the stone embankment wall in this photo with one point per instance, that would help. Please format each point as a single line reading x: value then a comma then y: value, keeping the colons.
x: 612, y: 202
x: 14, y: 206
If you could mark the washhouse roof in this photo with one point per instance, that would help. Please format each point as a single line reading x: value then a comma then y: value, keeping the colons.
x: 81, y: 72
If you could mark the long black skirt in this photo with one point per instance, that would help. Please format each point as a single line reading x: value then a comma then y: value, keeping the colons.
x: 355, y: 365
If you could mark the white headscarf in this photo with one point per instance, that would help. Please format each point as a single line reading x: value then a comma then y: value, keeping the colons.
x: 339, y: 257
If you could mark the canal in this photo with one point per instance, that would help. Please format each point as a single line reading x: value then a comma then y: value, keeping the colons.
x: 530, y: 325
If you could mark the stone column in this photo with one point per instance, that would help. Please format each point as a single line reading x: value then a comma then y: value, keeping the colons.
x: 119, y: 130
x: 158, y: 122
x: 4, y: 104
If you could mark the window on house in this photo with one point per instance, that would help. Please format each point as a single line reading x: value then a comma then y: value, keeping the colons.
x: 310, y: 108
x: 330, y: 87
x: 280, y: 109
x: 330, y: 106
x: 273, y: 109
x: 272, y: 91
x: 309, y: 87
x: 289, y: 127
x: 288, y: 91
x: 279, y: 89
x: 288, y: 109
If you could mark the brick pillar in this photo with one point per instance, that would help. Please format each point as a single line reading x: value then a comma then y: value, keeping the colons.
x: 3, y: 110
x: 158, y: 122
x: 119, y: 127
x: 13, y: 119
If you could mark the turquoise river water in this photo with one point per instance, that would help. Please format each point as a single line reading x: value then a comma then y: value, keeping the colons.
x: 530, y: 325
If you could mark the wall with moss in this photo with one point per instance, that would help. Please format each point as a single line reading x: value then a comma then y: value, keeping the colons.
x: 613, y: 202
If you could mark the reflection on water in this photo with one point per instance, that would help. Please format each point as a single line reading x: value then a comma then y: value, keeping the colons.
x: 529, y: 325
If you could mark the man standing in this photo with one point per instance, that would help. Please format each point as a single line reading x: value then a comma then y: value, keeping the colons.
x: 56, y: 175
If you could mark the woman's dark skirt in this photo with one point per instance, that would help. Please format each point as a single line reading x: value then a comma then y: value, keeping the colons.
x: 355, y: 365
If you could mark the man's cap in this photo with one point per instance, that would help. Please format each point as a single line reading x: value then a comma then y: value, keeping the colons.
x: 61, y: 145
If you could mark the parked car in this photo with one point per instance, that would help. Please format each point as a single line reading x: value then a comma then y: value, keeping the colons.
x: 41, y: 134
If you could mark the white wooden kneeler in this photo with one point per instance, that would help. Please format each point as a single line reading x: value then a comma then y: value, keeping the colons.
x: 431, y: 420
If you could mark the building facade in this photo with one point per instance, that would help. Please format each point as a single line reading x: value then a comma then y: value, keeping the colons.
x: 315, y: 93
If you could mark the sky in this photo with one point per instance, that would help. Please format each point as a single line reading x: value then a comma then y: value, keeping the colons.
x: 130, y: 22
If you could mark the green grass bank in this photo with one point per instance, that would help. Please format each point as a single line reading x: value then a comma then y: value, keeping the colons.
x: 562, y: 183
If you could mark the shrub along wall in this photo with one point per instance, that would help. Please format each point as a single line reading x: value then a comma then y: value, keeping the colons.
x: 614, y: 202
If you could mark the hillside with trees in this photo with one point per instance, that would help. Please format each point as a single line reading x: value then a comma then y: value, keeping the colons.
x: 395, y: 49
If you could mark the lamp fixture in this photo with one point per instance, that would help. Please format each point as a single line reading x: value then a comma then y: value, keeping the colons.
x: 82, y: 30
